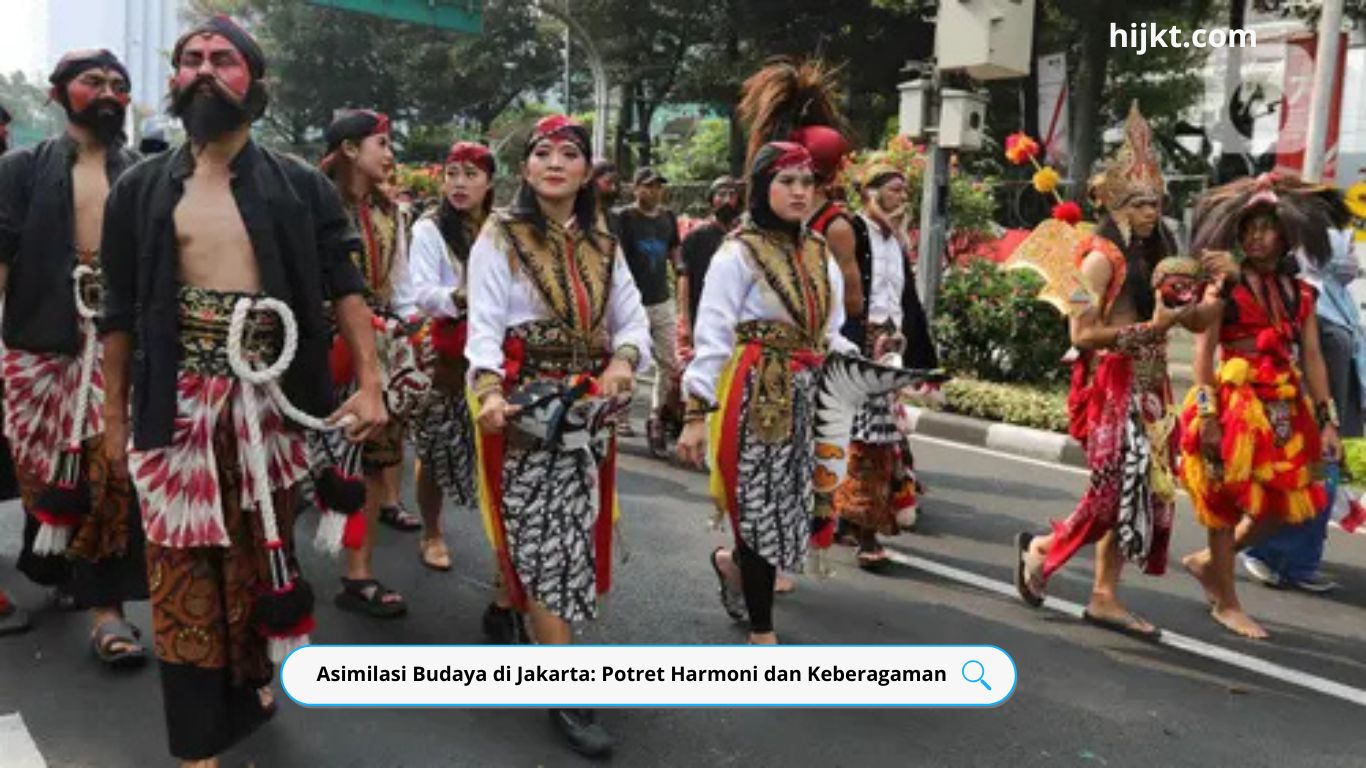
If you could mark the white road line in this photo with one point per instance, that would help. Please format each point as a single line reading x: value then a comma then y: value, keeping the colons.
x: 16, y: 745
x: 1000, y: 454
x: 1047, y: 465
x: 1171, y: 639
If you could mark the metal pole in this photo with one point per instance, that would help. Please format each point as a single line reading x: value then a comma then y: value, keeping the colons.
x: 933, y: 199
x: 596, y: 65
x: 567, y: 107
x: 1321, y: 98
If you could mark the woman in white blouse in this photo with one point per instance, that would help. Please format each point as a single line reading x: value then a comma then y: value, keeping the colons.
x: 551, y: 297
x: 769, y: 311
x: 435, y: 286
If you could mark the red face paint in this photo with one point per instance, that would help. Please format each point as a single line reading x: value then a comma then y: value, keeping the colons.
x: 216, y: 56
x: 95, y: 84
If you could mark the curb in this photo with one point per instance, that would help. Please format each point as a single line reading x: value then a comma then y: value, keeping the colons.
x: 1006, y: 438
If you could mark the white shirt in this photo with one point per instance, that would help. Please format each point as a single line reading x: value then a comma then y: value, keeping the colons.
x: 889, y: 274
x: 426, y: 285
x: 500, y: 299
x: 733, y: 294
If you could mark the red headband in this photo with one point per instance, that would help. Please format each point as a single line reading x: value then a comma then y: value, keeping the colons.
x: 791, y: 155
x: 472, y: 153
x: 559, y: 127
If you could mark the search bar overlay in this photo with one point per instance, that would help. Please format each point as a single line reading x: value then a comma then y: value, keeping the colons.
x: 649, y: 676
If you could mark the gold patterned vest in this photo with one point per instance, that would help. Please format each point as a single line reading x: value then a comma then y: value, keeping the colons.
x: 572, y: 273
x: 379, y: 231
x: 796, y: 274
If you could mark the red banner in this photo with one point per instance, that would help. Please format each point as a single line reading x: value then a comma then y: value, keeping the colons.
x: 1299, y: 86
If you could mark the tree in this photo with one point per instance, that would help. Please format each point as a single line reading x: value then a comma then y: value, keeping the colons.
x: 322, y: 60
x: 35, y: 118
x: 702, y: 156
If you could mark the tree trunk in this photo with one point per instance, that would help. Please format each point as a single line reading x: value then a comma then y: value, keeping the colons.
x: 1095, y: 56
x: 628, y: 95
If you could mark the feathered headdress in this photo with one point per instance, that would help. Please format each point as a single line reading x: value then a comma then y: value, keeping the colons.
x: 1134, y: 171
x: 799, y: 102
x: 1305, y: 212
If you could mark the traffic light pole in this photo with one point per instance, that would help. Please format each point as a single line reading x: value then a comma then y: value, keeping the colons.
x: 933, y: 211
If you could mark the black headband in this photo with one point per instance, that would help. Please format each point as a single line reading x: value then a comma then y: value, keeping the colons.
x: 74, y: 63
x: 240, y: 39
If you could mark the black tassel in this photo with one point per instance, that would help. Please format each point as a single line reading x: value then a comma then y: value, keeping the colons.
x: 281, y: 612
x: 340, y: 493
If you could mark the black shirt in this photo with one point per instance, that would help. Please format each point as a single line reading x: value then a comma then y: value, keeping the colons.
x: 302, y: 239
x: 698, y: 248
x: 647, y: 241
x: 37, y: 226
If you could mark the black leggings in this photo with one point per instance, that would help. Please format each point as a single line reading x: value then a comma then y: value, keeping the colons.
x: 757, y: 578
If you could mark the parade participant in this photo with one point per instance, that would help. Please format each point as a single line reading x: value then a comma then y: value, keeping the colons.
x: 606, y: 184
x: 1121, y: 396
x: 82, y: 530
x: 768, y: 313
x: 551, y: 298
x: 648, y: 233
x: 723, y: 200
x: 865, y: 499
x: 798, y: 102
x: 189, y: 236
x: 1257, y: 425
x: 443, y: 430
x: 12, y: 618
x: 359, y: 160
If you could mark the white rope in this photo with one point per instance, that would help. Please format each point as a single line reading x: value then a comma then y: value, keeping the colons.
x: 269, y: 377
x: 87, y: 315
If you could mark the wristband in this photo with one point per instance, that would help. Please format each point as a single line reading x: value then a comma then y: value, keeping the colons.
x: 486, y: 383
x: 1205, y: 402
x: 1327, y: 413
x: 697, y: 409
x: 628, y: 353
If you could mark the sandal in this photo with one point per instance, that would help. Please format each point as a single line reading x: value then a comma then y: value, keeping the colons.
x: 366, y: 596
x: 732, y: 601
x: 434, y: 553
x: 872, y: 559
x: 117, y: 632
x: 398, y: 518
x: 13, y: 619
x: 1024, y: 583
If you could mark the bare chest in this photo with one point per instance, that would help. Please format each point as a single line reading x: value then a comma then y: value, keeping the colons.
x: 214, y: 247
x: 90, y: 188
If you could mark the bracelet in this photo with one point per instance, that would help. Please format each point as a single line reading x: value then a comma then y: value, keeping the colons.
x: 697, y: 409
x: 1327, y: 413
x: 1205, y: 402
x: 1132, y: 339
x: 486, y: 383
x: 628, y: 353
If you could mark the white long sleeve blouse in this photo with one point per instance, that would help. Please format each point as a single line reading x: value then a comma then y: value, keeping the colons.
x: 501, y: 299
x: 734, y: 293
x: 431, y: 276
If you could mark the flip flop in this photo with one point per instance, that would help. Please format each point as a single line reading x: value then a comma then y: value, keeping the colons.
x: 873, y: 559
x: 115, y: 632
x: 731, y: 601
x: 1029, y: 596
x: 1126, y: 626
x: 399, y: 519
x: 354, y: 599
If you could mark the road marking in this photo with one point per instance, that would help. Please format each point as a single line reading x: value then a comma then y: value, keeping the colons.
x: 17, y: 745
x: 1171, y: 639
x: 1000, y: 454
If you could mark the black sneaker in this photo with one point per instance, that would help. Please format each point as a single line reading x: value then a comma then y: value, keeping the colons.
x: 580, y: 730
x: 504, y: 626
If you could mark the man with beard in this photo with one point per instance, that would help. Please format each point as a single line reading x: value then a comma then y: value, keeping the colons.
x: 700, y: 245
x: 81, y: 533
x: 217, y: 226
x: 1121, y: 396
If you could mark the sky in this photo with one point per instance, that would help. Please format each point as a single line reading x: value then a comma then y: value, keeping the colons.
x: 23, y: 36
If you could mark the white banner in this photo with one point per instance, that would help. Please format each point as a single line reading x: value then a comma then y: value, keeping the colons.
x: 1053, y: 116
x: 649, y: 676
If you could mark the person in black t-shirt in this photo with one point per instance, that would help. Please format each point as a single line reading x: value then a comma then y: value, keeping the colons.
x: 700, y: 245
x: 649, y: 240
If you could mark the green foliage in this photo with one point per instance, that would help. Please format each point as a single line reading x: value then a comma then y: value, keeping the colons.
x: 702, y: 156
x: 34, y: 118
x: 1009, y: 403
x: 991, y: 327
x: 971, y: 205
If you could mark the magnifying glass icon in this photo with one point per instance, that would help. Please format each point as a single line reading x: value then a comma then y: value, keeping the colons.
x: 981, y: 673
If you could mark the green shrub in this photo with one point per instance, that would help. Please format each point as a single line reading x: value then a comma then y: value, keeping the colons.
x: 1010, y: 403
x: 990, y: 327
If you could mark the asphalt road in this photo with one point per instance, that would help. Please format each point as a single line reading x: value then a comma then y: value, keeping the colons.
x: 1085, y: 696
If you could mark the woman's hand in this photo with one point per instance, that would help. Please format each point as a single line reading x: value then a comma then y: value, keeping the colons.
x: 692, y: 444
x: 494, y: 413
